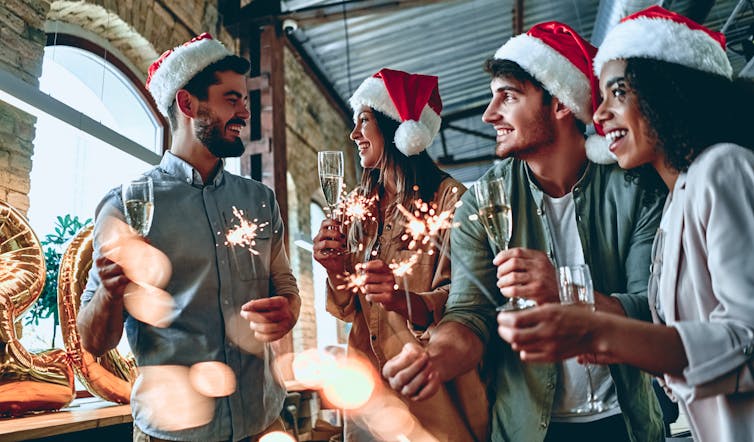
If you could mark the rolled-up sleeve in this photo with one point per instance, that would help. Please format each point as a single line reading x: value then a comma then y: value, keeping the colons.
x: 472, y: 255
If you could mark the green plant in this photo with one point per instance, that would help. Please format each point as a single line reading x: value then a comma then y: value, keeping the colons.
x: 54, y: 246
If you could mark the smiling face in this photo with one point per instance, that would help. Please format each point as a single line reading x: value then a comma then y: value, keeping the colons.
x: 628, y: 133
x: 368, y: 137
x: 220, y: 118
x: 521, y: 120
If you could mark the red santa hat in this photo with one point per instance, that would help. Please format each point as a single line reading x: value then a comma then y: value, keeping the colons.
x: 413, y: 100
x: 176, y: 67
x: 660, y: 34
x: 560, y: 59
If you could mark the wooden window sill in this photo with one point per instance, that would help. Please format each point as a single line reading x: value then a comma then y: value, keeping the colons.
x: 82, y: 414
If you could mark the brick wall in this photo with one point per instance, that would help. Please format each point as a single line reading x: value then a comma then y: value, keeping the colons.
x: 311, y: 125
x: 23, y: 40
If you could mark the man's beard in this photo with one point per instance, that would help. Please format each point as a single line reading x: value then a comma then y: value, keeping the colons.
x: 209, y: 130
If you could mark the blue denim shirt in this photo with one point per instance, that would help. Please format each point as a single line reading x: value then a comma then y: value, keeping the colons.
x: 616, y: 227
x: 209, y: 284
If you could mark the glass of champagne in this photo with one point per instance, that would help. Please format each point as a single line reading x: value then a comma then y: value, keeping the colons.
x: 331, y: 176
x: 138, y: 200
x: 496, y: 217
x: 576, y: 289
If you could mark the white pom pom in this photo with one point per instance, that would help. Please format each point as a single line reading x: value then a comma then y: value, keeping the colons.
x: 597, y: 150
x: 412, y: 137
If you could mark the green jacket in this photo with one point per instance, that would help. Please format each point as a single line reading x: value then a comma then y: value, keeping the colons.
x: 616, y: 227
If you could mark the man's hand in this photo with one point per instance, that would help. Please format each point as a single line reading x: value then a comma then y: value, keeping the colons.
x: 269, y: 318
x: 526, y: 273
x: 329, y: 247
x: 114, y: 280
x: 411, y: 373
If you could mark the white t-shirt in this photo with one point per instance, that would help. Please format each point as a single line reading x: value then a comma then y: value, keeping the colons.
x: 572, y: 383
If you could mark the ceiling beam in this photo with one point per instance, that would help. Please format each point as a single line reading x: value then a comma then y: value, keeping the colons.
x: 518, y: 17
x: 316, y: 15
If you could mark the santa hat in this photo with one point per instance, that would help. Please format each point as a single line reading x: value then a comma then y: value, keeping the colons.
x: 660, y: 34
x: 413, y: 100
x: 560, y: 59
x: 176, y: 67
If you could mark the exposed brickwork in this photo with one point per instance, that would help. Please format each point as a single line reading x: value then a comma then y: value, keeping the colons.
x: 311, y: 125
x: 23, y: 40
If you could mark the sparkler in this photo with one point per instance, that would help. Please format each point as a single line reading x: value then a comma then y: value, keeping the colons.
x: 425, y: 224
x: 244, y: 233
x: 356, y: 207
x: 355, y: 282
x: 402, y: 269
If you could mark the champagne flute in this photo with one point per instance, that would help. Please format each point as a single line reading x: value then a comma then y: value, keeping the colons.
x: 576, y: 289
x: 331, y: 176
x: 138, y: 201
x: 495, y: 214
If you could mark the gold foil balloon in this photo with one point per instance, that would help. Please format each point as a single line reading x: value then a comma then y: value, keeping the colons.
x: 28, y: 382
x: 110, y: 376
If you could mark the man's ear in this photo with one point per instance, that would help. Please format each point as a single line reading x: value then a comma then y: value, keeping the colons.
x: 186, y: 103
x: 560, y: 110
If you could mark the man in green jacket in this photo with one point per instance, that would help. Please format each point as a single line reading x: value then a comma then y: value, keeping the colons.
x: 566, y: 210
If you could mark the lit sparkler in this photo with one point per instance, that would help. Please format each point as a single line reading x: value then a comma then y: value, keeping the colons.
x: 402, y: 269
x: 244, y: 233
x: 356, y: 207
x: 425, y: 224
x: 355, y: 282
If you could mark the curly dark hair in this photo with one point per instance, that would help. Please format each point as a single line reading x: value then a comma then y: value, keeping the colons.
x: 688, y: 110
x: 499, y: 68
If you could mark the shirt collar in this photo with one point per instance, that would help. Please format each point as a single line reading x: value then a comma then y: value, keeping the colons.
x: 177, y: 167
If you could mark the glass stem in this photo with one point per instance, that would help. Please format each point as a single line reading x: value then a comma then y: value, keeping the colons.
x: 590, y: 386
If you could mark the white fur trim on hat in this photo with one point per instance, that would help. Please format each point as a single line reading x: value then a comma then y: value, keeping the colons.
x: 556, y: 73
x: 665, y: 40
x: 178, y: 68
x: 598, y: 151
x: 411, y: 137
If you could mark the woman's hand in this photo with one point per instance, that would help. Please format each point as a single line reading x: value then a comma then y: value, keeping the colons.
x: 551, y: 332
x: 329, y: 248
x: 380, y: 286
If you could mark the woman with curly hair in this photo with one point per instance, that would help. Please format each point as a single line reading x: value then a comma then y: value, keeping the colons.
x: 673, y: 115
x: 396, y: 116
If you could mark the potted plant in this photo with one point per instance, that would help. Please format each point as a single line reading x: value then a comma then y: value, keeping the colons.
x: 54, y: 245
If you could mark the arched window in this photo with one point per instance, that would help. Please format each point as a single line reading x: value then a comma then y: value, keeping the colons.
x: 76, y: 159
x: 330, y: 331
x: 71, y: 169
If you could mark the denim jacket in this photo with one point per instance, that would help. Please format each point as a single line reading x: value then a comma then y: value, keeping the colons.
x: 616, y: 226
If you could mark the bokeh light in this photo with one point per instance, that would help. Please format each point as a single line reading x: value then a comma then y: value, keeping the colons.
x: 165, y: 396
x: 237, y: 331
x: 351, y: 384
x: 212, y: 379
x: 312, y: 367
x: 277, y: 436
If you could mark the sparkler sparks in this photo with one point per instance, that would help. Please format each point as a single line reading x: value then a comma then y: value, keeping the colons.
x: 356, y: 207
x: 355, y: 282
x: 425, y: 223
x: 244, y: 233
x: 402, y: 268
